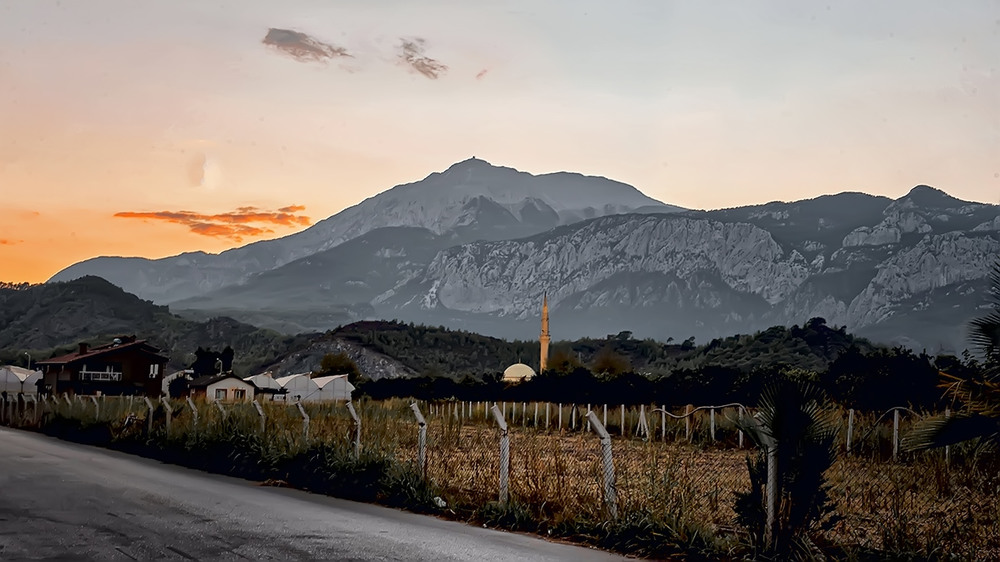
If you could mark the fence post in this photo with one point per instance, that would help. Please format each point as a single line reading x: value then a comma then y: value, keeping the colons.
x: 895, y: 433
x: 194, y: 413
x: 222, y: 410
x: 772, y: 494
x: 560, y: 416
x: 34, y: 407
x: 504, y: 455
x: 711, y: 423
x: 947, y: 448
x: 623, y: 420
x: 149, y: 415
x: 572, y: 417
x: 66, y: 397
x: 546, y: 416
x: 263, y: 418
x: 588, y: 417
x: 850, y: 429
x: 687, y: 422
x: 168, y: 410
x: 605, y: 420
x: 643, y: 427
x: 305, y: 420
x: 536, y: 415
x: 740, y: 432
x: 97, y: 408
x: 610, y: 492
x: 357, y: 429
x: 422, y: 439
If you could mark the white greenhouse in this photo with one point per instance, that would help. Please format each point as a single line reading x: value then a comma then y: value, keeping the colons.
x: 16, y: 380
x: 335, y: 387
x: 299, y: 387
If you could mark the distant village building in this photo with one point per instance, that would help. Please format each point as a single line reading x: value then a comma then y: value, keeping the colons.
x: 125, y: 366
x: 519, y: 371
x: 304, y: 388
x: 225, y: 387
x: 267, y: 387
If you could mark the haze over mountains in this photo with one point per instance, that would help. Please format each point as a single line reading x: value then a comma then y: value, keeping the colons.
x: 476, y: 246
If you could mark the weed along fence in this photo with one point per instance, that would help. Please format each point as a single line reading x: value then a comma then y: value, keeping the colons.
x: 562, y: 467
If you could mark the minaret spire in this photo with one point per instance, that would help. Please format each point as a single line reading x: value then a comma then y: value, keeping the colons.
x: 543, y: 339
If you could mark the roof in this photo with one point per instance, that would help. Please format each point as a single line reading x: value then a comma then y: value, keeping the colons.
x: 518, y: 371
x: 207, y: 380
x: 323, y: 381
x: 138, y: 345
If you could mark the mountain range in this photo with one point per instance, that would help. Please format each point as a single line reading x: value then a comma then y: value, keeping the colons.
x: 477, y: 246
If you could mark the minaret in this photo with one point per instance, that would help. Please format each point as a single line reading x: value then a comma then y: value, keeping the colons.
x: 544, y: 337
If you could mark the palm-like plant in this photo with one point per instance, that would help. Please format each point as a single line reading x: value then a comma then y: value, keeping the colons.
x: 978, y: 394
x: 795, y: 431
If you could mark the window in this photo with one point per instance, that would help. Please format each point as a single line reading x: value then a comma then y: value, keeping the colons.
x: 154, y: 370
x: 220, y: 394
x: 239, y: 394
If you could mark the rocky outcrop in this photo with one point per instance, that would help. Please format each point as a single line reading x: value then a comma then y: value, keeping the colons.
x: 509, y: 277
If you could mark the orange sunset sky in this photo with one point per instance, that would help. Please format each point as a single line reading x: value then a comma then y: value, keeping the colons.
x: 158, y: 127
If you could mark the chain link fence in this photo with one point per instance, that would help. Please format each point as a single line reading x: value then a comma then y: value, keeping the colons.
x: 600, y: 462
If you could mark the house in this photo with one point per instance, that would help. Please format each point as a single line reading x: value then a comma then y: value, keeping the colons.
x: 18, y: 380
x: 124, y: 366
x: 224, y: 387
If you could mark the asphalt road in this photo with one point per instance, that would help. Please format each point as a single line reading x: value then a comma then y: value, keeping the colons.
x: 63, y: 501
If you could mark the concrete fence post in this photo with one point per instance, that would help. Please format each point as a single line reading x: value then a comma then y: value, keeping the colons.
x: 504, y: 455
x: 34, y: 408
x: 850, y: 429
x: 711, y: 423
x: 560, y: 416
x: 421, y: 439
x: 605, y: 419
x: 194, y: 413
x: 221, y: 408
x: 895, y: 433
x: 772, y: 495
x: 572, y: 417
x: 588, y: 417
x: 739, y: 434
x: 305, y: 420
x: 149, y: 415
x: 66, y: 397
x: 524, y: 414
x: 608, y: 464
x: 663, y: 424
x: 357, y: 429
x: 642, y: 429
x: 97, y: 408
x: 546, y: 416
x: 169, y: 411
x: 947, y: 448
x: 623, y: 421
x: 687, y: 422
x: 260, y: 413
x: 536, y: 415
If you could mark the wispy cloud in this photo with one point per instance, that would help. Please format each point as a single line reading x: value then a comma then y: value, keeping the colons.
x: 235, y: 225
x: 482, y: 74
x: 9, y: 242
x: 302, y: 47
x: 411, y: 53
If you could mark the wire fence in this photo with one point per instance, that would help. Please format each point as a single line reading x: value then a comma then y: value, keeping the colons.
x: 601, y: 462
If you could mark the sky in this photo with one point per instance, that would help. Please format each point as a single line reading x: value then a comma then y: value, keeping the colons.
x: 158, y: 127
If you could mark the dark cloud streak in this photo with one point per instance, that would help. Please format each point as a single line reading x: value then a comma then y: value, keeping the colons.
x: 235, y: 225
x: 411, y: 53
x: 302, y: 47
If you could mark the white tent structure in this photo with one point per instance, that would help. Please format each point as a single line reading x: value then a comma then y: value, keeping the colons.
x: 264, y: 381
x: 335, y: 387
x: 15, y: 380
x: 299, y: 387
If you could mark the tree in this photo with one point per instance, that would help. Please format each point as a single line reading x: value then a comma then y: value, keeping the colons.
x: 976, y: 390
x: 339, y: 364
x: 794, y: 430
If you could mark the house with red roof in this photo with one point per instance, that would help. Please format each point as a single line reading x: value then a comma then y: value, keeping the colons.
x: 124, y: 366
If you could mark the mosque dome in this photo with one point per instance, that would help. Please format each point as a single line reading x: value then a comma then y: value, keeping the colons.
x: 518, y: 372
